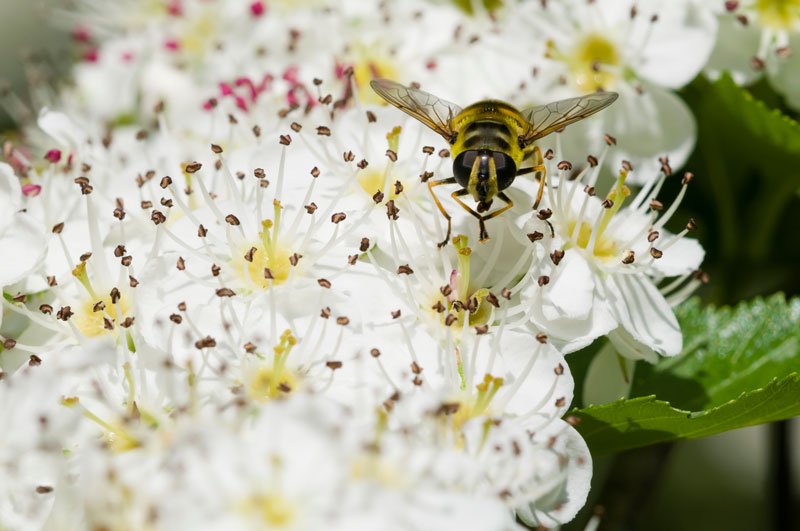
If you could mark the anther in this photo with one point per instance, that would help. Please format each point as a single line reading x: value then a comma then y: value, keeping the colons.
x: 323, y: 130
x: 46, y: 309
x: 541, y: 338
x: 285, y: 140
x: 561, y: 402
x: 691, y: 225
x: 783, y: 52
x: 491, y: 298
x: 268, y: 274
x: 687, y: 178
x: 391, y: 209
x: 655, y: 204
x: 352, y: 259
x: 556, y: 256
x: 535, y: 236
x: 232, y: 220
x: 655, y: 253
x: 9, y: 343
x: 628, y: 257
x: 325, y: 283
x: 192, y: 167
x: 378, y: 197
x: 338, y: 217
x: 428, y: 150
x: 564, y: 165
x: 202, y: 231
x: 396, y: 314
x: 362, y: 164
x: 165, y: 181
x: 374, y: 352
x: 127, y: 322
x: 146, y: 204
x: 404, y: 270
x: 206, y: 342
x: 333, y: 365
x: 549, y: 154
x: 506, y: 293
x: 348, y: 156
x: 398, y: 188
x: 371, y: 118
x: 392, y: 155
x: 450, y: 319
x: 627, y: 166
x: 295, y: 258
x: 216, y: 148
x: 653, y: 236
x: 544, y: 214
x: 311, y: 208
x: 343, y: 321
x: 98, y: 306
x: 34, y: 360
x: 592, y: 160
x: 444, y: 153
x: 439, y: 307
x: 58, y: 227
x: 589, y: 190
x: 482, y: 329
x: 607, y: 203
x: 364, y: 245
x: 225, y: 292
x: 175, y: 318
x: 325, y: 313
x: 543, y: 280
x: 132, y: 281
x: 424, y: 176
x: 559, y: 370
x: 315, y: 172
x: 257, y: 132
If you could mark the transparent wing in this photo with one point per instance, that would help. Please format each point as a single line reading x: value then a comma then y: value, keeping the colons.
x: 545, y: 119
x: 434, y: 112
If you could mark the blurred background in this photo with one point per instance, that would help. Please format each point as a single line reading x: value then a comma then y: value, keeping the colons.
x: 746, y: 202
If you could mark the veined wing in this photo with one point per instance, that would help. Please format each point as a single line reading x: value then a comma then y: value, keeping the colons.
x: 544, y: 119
x: 434, y: 112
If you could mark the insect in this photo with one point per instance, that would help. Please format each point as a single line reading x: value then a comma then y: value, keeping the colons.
x: 490, y: 140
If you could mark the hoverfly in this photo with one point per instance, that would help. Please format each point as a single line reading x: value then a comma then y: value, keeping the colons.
x: 490, y: 140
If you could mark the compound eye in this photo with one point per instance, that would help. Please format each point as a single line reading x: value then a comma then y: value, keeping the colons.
x: 505, y: 168
x: 462, y: 167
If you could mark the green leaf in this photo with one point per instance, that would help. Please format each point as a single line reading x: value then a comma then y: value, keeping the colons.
x: 636, y: 422
x: 727, y: 351
x: 757, y: 122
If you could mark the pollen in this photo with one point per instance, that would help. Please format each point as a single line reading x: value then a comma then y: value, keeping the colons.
x: 605, y: 249
x: 590, y: 61
x: 275, y: 259
x: 90, y: 319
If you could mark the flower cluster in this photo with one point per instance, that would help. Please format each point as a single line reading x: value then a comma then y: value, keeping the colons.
x: 224, y: 303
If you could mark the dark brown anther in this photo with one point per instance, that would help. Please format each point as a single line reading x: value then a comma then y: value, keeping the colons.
x: 268, y: 274
x: 46, y: 309
x: 99, y: 306
x: 691, y: 225
x: 259, y: 173
x: 285, y: 140
x: 535, y: 236
x: 375, y: 352
x: 315, y: 172
x: 391, y: 209
x: 146, y: 204
x: 348, y: 156
x: 181, y: 264
x: 9, y: 343
x: 232, y: 220
x: 607, y: 203
x: 541, y: 338
x: 450, y: 319
x: 655, y: 204
x: 425, y: 176
x: 202, y: 231
x: 84, y: 257
x: 342, y: 321
x: 193, y: 167
x: 296, y: 127
x: 506, y: 293
x: 51, y: 281
x: 559, y: 370
x: 627, y: 166
x: 165, y: 181
x: 742, y: 19
x: 324, y: 282
x: 404, y: 270
x: 446, y: 290
x: 371, y: 118
x: 428, y: 150
x: 58, y: 227
x: 225, y: 292
x: 653, y: 236
x: 338, y: 217
x: 249, y: 347
x: 352, y: 259
x: 216, y: 148
x: 549, y: 154
x: 480, y: 330
x: 141, y: 134
x: 115, y: 295
x: 119, y: 250
x: 561, y: 402
x: 295, y: 258
x: 398, y: 188
x: 311, y: 208
x: 132, y: 281
x: 687, y: 178
x: 544, y: 214
x: 325, y: 100
x: 592, y: 160
x: 472, y: 304
x: 127, y: 322
x: 119, y: 213
x: 655, y: 253
x: 323, y: 130
x: 364, y: 247
x: 392, y: 155
x: 34, y: 360
x: 564, y: 165
x: 257, y: 131
x: 250, y: 254
x: 206, y: 342
x: 333, y: 365
x: 492, y: 299
x: 166, y: 202
x: 438, y: 307
x: 444, y: 153
x: 628, y: 257
x: 158, y: 217
x: 64, y: 313
x: 589, y: 190
x: 362, y: 164
x: 556, y: 256
x: 19, y: 297
x: 396, y: 314
x: 543, y: 280
x: 417, y: 381
x: 378, y: 197
x: 182, y: 306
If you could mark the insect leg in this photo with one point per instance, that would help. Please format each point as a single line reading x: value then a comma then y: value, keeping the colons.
x: 483, y: 235
x: 499, y: 211
x: 431, y: 184
x: 539, y: 168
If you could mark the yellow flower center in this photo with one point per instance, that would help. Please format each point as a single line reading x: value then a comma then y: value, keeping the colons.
x: 267, y: 383
x: 778, y: 14
x: 372, y: 181
x: 605, y: 249
x: 92, y: 323
x: 371, y: 64
x: 276, y: 260
x: 273, y: 509
x: 590, y: 61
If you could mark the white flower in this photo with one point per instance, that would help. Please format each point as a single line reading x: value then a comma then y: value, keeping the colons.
x: 606, y: 258
x: 643, y: 50
x: 756, y: 37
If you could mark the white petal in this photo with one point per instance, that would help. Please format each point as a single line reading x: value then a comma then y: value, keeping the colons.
x: 784, y: 73
x: 23, y: 247
x: 681, y: 258
x: 736, y: 46
x: 571, y: 290
x: 645, y: 314
x: 10, y: 195
x: 61, y: 128
x: 680, y: 43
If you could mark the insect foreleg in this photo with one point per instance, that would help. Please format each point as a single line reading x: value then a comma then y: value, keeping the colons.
x: 431, y: 184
